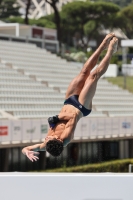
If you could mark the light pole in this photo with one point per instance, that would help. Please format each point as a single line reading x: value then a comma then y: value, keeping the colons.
x: 124, y: 61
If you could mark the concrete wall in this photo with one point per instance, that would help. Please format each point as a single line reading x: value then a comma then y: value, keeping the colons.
x: 67, y: 186
x: 11, y: 31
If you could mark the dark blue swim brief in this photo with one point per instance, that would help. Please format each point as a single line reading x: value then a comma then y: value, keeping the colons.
x: 73, y: 100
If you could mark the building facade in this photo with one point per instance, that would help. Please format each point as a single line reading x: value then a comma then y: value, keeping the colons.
x: 40, y: 8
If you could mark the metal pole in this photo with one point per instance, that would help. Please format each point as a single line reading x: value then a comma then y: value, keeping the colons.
x: 17, y: 30
x: 124, y: 61
x: 43, y: 44
x: 27, y: 39
x: 130, y: 168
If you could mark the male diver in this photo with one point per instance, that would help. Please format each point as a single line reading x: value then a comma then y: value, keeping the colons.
x: 78, y: 102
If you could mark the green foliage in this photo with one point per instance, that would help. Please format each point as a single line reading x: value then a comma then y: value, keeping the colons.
x: 121, y: 3
x: 79, y: 19
x: 114, y: 59
x: 43, y: 23
x: 14, y: 20
x: 48, y: 17
x: 39, y: 22
x: 90, y: 27
x: 127, y: 14
x: 89, y: 11
x: 120, y: 82
x: 8, y: 8
x: 79, y: 56
x: 67, y: 57
x: 75, y: 56
x: 86, y: 18
x: 130, y: 50
x: 111, y: 166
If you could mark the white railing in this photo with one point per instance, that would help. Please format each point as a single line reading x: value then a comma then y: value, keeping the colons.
x: 50, y: 45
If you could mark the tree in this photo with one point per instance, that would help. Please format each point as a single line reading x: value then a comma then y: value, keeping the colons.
x: 127, y: 15
x: 88, y: 18
x: 8, y: 8
x: 39, y: 22
x: 121, y: 3
x: 56, y: 18
x: 27, y: 11
x: 90, y: 29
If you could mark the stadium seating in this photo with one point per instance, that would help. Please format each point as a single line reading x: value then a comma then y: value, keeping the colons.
x: 33, y: 83
x: 1, y: 117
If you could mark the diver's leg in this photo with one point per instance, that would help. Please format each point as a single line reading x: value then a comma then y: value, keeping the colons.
x: 78, y: 82
x: 88, y: 91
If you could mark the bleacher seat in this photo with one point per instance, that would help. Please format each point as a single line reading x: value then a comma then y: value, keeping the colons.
x: 33, y: 83
x: 120, y: 113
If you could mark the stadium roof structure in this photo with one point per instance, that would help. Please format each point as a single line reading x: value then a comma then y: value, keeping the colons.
x: 127, y: 43
x: 40, y: 8
x: 118, y: 32
x: 18, y: 30
x: 41, y: 36
x: 124, y: 45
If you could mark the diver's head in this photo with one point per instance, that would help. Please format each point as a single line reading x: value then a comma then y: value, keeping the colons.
x: 54, y: 147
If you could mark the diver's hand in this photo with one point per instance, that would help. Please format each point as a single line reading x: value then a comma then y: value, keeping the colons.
x: 32, y: 155
x: 53, y: 121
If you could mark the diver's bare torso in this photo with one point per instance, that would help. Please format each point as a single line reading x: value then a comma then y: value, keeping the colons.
x: 62, y: 124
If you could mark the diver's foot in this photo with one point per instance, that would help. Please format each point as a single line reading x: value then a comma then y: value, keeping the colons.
x: 105, y: 43
x: 113, y: 45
